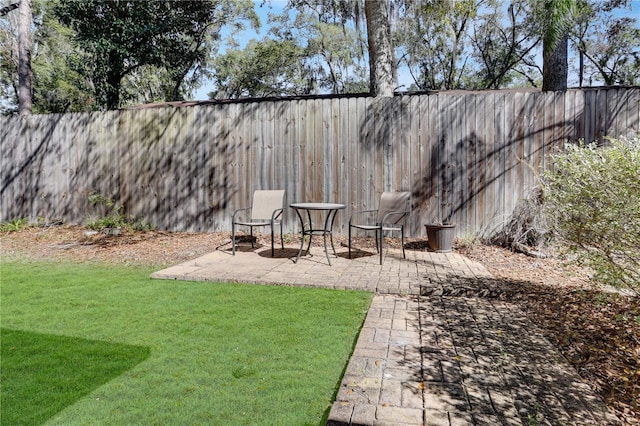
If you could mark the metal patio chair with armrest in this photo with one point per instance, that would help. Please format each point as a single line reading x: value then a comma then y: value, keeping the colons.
x: 391, y: 215
x: 266, y: 210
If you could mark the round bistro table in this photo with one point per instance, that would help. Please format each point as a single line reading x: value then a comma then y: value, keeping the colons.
x: 307, y: 228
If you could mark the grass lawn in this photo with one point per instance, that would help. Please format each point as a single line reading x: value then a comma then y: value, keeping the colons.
x: 90, y: 344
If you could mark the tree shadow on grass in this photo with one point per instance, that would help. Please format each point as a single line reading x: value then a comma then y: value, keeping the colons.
x: 42, y: 374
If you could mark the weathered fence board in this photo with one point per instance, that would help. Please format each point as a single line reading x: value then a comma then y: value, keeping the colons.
x: 471, y: 155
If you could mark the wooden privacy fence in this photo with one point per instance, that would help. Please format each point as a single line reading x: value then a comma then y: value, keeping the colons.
x: 470, y: 156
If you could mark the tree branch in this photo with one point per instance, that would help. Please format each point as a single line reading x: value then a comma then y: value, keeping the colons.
x: 5, y: 10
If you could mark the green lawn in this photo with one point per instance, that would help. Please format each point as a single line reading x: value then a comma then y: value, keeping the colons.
x: 89, y: 344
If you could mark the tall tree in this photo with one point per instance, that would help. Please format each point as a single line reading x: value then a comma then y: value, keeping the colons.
x: 60, y: 70
x: 24, y: 57
x: 125, y: 35
x: 8, y: 60
x: 262, y: 69
x: 557, y: 18
x: 16, y: 55
x: 433, y: 36
x: 381, y: 52
x: 334, y: 48
x: 311, y: 47
x: 608, y: 43
x: 503, y: 46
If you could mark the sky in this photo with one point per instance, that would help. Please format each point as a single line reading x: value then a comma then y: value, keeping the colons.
x: 276, y: 6
x: 262, y: 10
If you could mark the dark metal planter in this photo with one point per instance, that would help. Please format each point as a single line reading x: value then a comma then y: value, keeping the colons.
x: 440, y: 237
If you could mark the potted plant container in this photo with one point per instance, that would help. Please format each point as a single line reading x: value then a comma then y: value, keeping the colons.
x: 440, y: 237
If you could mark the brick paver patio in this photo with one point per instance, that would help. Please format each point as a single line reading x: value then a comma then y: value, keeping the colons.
x: 437, y: 347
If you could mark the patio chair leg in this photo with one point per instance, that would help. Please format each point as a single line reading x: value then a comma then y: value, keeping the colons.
x: 272, y: 251
x: 349, y: 242
x: 377, y: 247
x: 402, y: 241
x: 233, y: 238
x: 381, y: 241
x: 281, y: 236
x: 251, y: 228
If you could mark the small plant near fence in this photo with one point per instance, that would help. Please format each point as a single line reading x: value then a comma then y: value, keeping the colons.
x: 110, y: 215
x: 592, y: 200
x: 14, y: 225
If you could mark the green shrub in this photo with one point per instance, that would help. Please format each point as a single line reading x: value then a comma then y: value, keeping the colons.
x: 14, y: 225
x: 592, y: 198
x: 110, y: 214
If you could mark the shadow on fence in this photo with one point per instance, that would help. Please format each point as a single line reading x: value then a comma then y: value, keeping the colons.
x: 466, y: 156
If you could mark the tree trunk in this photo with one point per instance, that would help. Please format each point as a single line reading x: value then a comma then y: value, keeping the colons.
x: 555, y: 66
x: 113, y: 81
x: 381, y: 58
x: 24, y: 57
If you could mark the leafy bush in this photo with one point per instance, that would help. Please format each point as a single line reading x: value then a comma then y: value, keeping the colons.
x: 592, y: 198
x: 111, y: 215
x: 14, y: 225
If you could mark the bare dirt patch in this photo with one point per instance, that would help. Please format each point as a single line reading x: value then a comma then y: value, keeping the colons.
x: 77, y: 244
x: 598, y: 332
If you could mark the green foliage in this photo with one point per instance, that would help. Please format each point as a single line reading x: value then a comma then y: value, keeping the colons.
x: 109, y: 215
x: 261, y: 69
x: 219, y: 353
x: 433, y: 37
x: 475, y: 44
x: 14, y: 225
x: 609, y: 42
x: 97, y: 54
x: 556, y: 18
x: 58, y: 82
x: 172, y: 35
x: 504, y: 47
x: 60, y: 73
x: 592, y: 197
x: 334, y: 56
x: 311, y: 48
